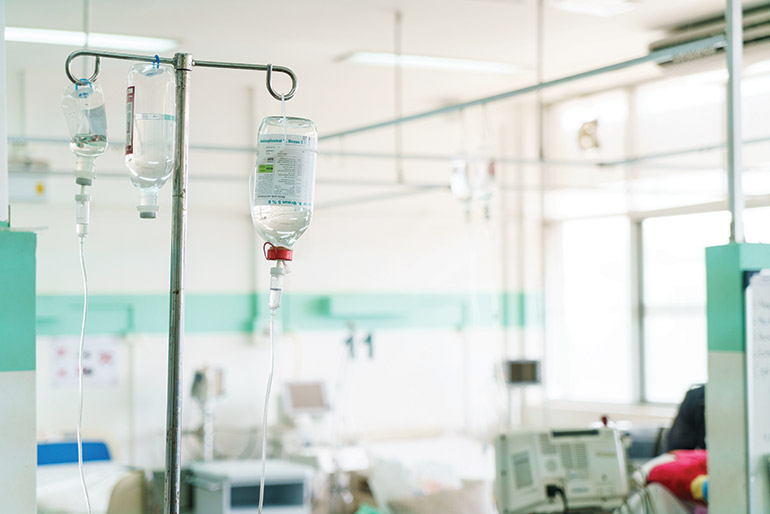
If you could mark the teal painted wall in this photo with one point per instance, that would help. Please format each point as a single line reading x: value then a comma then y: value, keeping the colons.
x: 725, y: 292
x: 17, y: 301
x: 238, y: 313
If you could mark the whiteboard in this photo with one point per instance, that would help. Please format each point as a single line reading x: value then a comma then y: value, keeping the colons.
x: 758, y: 389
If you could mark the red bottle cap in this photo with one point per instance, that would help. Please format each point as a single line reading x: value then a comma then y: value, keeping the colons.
x: 277, y: 253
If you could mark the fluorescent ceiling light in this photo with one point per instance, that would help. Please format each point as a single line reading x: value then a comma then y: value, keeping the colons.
x: 707, y: 77
x: 721, y: 75
x: 759, y: 68
x: 431, y: 63
x: 95, y: 40
x: 603, y: 8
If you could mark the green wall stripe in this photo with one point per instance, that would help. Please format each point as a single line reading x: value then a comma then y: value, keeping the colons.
x: 240, y: 313
x: 725, y: 306
x: 17, y: 301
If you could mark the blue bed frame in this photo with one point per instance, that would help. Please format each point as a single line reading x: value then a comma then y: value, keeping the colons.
x: 67, y: 452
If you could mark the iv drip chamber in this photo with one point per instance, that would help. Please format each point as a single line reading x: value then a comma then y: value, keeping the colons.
x: 83, y: 106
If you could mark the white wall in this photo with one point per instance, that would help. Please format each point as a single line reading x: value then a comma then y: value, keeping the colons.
x: 421, y: 381
x: 18, y: 471
x: 3, y: 126
x: 424, y: 381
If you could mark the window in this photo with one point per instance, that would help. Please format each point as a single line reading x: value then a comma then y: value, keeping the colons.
x: 591, y: 277
x: 589, y: 305
x: 674, y: 301
x: 674, y: 296
x: 589, y: 312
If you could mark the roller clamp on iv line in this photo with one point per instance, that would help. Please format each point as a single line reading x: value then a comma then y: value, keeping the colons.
x: 183, y: 64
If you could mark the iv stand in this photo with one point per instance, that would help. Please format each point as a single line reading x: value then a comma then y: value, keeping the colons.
x: 183, y: 64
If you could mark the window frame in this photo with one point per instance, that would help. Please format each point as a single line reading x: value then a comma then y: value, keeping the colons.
x: 636, y: 276
x: 637, y: 287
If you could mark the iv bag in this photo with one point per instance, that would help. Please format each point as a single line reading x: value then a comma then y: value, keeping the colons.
x: 83, y: 106
x: 459, y: 181
x: 150, y: 131
x: 473, y: 179
x: 283, y: 181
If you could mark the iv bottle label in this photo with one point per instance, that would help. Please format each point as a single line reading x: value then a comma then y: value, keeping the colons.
x: 284, y: 174
x: 130, y: 120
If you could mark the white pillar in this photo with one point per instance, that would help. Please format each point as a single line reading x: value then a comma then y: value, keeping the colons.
x: 18, y: 446
x: 735, y: 199
x: 3, y: 125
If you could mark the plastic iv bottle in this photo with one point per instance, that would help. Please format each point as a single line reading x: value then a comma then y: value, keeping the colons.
x: 283, y: 181
x: 150, y: 131
x: 83, y: 106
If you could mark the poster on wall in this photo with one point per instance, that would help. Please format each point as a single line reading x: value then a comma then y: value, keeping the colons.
x: 100, y: 361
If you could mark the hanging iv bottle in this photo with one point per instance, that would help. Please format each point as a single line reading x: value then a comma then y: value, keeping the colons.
x: 283, y: 181
x: 150, y: 131
x: 473, y: 179
x: 83, y: 106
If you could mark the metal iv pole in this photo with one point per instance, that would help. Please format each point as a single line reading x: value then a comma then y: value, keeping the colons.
x: 183, y: 64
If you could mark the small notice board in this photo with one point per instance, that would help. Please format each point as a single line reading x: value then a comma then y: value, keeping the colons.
x: 758, y: 389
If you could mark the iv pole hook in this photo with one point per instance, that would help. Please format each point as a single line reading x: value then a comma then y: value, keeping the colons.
x: 69, y: 73
x: 269, y: 82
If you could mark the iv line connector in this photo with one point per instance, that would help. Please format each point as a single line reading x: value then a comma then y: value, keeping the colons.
x: 277, y: 273
x: 82, y: 211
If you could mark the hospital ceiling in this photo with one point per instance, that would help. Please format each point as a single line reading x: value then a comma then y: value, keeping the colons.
x: 311, y: 35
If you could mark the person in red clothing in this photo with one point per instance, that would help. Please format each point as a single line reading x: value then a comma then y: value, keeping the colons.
x: 682, y: 469
x: 684, y: 473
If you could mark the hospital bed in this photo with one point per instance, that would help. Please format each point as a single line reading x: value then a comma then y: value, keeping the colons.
x: 113, y: 488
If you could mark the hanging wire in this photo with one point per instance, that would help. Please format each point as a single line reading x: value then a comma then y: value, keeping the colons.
x: 486, y: 126
x: 285, y: 123
x: 464, y: 144
x: 398, y: 93
x: 87, y: 32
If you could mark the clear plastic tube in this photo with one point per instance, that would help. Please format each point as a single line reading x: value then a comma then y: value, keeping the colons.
x: 80, y: 375
x: 267, y: 404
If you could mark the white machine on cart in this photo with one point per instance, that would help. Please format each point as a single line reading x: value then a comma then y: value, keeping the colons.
x: 226, y: 487
x: 587, y: 468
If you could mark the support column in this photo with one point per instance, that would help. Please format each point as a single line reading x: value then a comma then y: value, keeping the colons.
x: 726, y: 413
x: 734, y: 49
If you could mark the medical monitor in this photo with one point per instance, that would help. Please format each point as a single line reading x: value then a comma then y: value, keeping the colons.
x: 305, y: 398
x: 588, y: 465
x: 522, y: 372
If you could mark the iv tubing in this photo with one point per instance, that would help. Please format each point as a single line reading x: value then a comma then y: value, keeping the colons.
x: 267, y: 402
x: 80, y: 375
